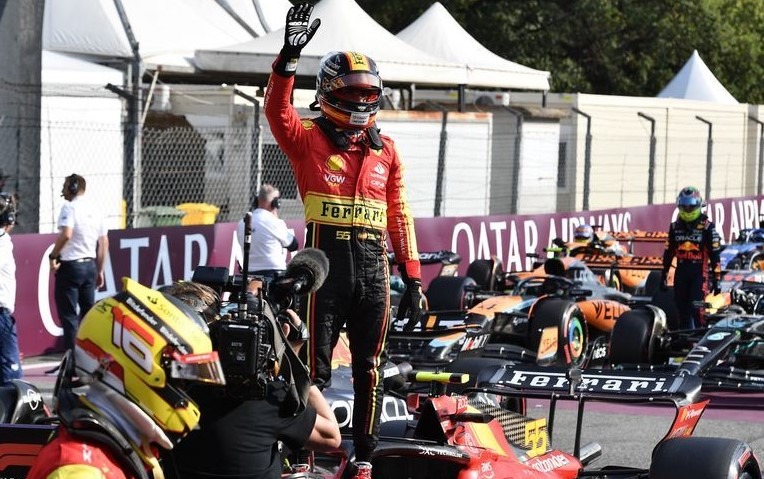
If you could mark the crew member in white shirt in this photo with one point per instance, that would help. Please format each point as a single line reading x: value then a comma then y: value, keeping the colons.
x: 270, y: 236
x: 10, y: 362
x: 78, y: 256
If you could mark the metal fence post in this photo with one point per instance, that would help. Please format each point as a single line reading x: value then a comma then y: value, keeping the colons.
x: 441, y: 159
x: 651, y: 162
x: 131, y: 180
x: 587, y: 156
x: 516, y: 161
x: 760, y: 164
x: 256, y: 148
x: 709, y: 154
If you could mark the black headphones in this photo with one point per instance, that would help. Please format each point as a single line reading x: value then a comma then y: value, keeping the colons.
x: 276, y: 202
x: 72, y: 185
x: 8, y: 216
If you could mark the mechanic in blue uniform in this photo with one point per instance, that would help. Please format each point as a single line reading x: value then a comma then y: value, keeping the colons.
x: 694, y: 242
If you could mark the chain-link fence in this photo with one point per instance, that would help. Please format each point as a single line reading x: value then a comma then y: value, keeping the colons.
x: 204, y: 164
x: 211, y: 174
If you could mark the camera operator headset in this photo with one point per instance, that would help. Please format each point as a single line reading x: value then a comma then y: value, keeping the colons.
x: 271, y: 238
x: 268, y: 397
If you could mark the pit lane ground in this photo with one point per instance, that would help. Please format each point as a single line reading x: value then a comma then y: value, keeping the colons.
x: 627, y: 433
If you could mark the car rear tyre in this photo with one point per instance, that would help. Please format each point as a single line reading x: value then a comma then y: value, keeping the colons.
x: 757, y: 262
x: 572, y: 335
x: 707, y: 457
x: 615, y: 282
x: 665, y: 301
x: 485, y: 272
x: 448, y: 293
x: 631, y: 340
x: 652, y: 283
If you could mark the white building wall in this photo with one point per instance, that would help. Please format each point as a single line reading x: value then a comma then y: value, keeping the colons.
x: 621, y: 144
x: 538, y: 167
x: 80, y: 132
x: 467, y: 168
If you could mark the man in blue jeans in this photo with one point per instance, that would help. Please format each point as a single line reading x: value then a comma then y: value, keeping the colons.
x: 78, y: 256
x: 10, y: 364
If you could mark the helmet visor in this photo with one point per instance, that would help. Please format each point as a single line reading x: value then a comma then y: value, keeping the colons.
x: 689, y: 208
x: 205, y: 368
x: 357, y: 94
x: 361, y: 80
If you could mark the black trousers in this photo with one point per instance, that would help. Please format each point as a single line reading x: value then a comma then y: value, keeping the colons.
x: 74, y: 294
x: 356, y: 294
x: 690, y: 286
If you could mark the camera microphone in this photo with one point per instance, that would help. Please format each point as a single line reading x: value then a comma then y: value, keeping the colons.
x: 245, y: 266
x: 305, y: 273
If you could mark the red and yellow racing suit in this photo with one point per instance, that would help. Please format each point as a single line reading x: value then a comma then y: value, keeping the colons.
x: 68, y: 456
x: 353, y: 198
x: 696, y: 246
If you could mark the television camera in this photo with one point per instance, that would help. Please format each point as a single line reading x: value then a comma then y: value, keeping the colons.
x: 248, y: 337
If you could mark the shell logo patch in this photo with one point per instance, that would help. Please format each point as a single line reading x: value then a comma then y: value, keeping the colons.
x: 335, y: 163
x: 307, y: 124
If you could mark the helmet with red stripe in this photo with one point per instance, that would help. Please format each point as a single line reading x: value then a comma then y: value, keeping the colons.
x: 349, y: 90
x: 142, y: 348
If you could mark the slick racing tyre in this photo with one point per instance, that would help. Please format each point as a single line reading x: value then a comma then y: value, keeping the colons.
x: 756, y: 262
x: 485, y: 272
x: 572, y: 334
x: 707, y: 457
x: 665, y: 301
x: 615, y: 282
x: 652, y: 283
x: 448, y: 293
x: 631, y: 341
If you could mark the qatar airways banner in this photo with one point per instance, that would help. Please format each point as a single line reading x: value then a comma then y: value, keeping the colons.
x: 157, y: 256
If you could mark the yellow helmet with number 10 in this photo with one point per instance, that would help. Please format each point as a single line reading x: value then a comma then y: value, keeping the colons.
x: 145, y: 346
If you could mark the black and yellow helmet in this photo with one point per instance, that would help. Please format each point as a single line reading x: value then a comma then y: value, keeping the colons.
x: 349, y: 89
x: 146, y: 346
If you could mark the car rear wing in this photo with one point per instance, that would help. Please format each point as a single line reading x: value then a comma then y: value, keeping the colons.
x: 611, y: 261
x: 432, y: 257
x: 610, y: 385
x: 448, y: 261
x: 639, y: 236
x: 601, y: 385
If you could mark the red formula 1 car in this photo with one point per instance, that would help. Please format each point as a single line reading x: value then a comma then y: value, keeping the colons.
x: 469, y: 435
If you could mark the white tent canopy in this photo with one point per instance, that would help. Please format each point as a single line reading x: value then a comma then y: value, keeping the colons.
x: 439, y: 34
x: 696, y: 82
x: 167, y: 31
x: 65, y: 69
x: 344, y: 26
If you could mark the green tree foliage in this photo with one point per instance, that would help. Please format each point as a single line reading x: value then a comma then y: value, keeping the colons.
x: 610, y: 47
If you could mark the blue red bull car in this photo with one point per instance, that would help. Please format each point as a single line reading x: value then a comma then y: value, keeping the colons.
x: 746, y: 252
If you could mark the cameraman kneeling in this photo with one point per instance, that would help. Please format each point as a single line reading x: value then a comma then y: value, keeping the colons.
x: 239, y: 434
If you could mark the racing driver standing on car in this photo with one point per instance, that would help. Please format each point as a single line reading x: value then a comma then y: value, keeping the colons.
x: 351, y: 181
x: 693, y: 240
